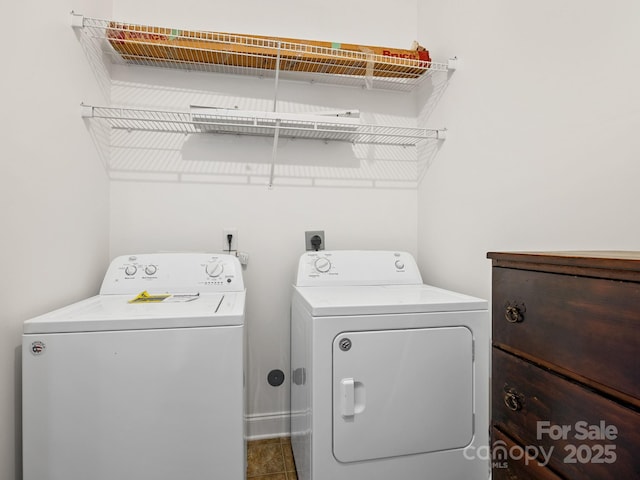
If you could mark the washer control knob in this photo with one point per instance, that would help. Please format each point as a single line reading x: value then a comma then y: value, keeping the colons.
x: 150, y: 269
x: 130, y: 270
x: 399, y: 264
x: 214, y: 269
x: 322, y: 264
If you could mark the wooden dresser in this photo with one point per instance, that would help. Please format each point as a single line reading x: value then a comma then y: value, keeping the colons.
x: 566, y: 365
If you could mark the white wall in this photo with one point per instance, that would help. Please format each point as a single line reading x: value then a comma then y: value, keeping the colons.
x: 53, y: 188
x: 543, y: 117
x: 176, y: 192
x: 542, y: 154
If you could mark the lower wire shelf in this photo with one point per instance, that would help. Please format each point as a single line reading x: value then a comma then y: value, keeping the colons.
x: 269, y: 124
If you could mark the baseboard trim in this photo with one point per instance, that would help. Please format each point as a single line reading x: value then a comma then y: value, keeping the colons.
x: 267, y: 425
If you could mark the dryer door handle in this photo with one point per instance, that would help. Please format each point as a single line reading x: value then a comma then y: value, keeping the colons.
x: 347, y: 397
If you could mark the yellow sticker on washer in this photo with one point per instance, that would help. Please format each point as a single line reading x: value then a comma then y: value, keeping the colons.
x: 145, y: 297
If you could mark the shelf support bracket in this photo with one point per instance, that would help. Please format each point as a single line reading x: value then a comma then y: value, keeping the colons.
x: 368, y: 77
x: 277, y: 78
x: 77, y: 20
x: 274, y: 152
x: 86, y: 111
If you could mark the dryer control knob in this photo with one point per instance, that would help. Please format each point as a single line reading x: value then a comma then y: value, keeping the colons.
x: 130, y: 270
x: 399, y: 264
x: 214, y: 269
x: 322, y: 265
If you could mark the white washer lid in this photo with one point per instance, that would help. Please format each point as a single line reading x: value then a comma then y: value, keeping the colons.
x: 114, y: 312
x: 385, y: 299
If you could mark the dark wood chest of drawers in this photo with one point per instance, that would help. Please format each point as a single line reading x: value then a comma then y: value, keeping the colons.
x: 565, y: 365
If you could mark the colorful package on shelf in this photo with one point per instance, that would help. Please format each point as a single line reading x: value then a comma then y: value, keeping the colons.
x: 146, y: 44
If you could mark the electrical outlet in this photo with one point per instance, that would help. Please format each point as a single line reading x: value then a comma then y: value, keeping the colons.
x: 234, y: 239
x: 310, y: 239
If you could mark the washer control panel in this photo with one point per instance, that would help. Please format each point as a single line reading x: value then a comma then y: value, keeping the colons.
x: 173, y: 273
x: 357, y: 267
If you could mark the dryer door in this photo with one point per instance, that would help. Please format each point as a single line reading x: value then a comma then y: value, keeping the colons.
x: 401, y: 392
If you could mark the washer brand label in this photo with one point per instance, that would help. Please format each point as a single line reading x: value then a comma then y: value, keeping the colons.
x: 38, y: 348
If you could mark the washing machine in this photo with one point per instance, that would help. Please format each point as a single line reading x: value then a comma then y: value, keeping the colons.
x: 143, y: 381
x: 389, y: 376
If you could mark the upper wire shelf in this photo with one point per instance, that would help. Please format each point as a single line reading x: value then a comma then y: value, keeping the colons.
x: 255, y: 55
x: 286, y: 127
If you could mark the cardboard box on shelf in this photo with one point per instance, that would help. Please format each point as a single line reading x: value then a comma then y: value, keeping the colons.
x: 157, y: 44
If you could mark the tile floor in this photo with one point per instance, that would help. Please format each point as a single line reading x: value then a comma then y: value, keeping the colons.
x: 270, y: 459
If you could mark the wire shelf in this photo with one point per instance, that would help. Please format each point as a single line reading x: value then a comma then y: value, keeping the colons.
x: 254, y: 55
x: 286, y: 127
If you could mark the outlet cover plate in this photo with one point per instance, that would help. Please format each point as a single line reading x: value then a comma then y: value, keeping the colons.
x: 309, y: 235
x: 234, y: 240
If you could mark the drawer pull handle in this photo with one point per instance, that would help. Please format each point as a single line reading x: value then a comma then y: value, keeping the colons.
x: 513, y: 400
x: 514, y: 313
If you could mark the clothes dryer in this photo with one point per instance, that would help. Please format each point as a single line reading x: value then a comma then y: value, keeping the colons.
x: 143, y: 381
x: 389, y: 376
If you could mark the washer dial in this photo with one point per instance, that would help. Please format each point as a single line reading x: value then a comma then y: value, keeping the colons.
x: 150, y: 269
x: 130, y: 270
x: 322, y: 265
x: 214, y: 269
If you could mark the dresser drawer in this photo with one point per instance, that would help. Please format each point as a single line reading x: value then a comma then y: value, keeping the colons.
x: 513, y: 466
x: 588, y: 327
x: 534, y: 406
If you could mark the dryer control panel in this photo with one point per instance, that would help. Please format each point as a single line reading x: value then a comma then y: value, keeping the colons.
x: 357, y: 267
x: 173, y: 273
